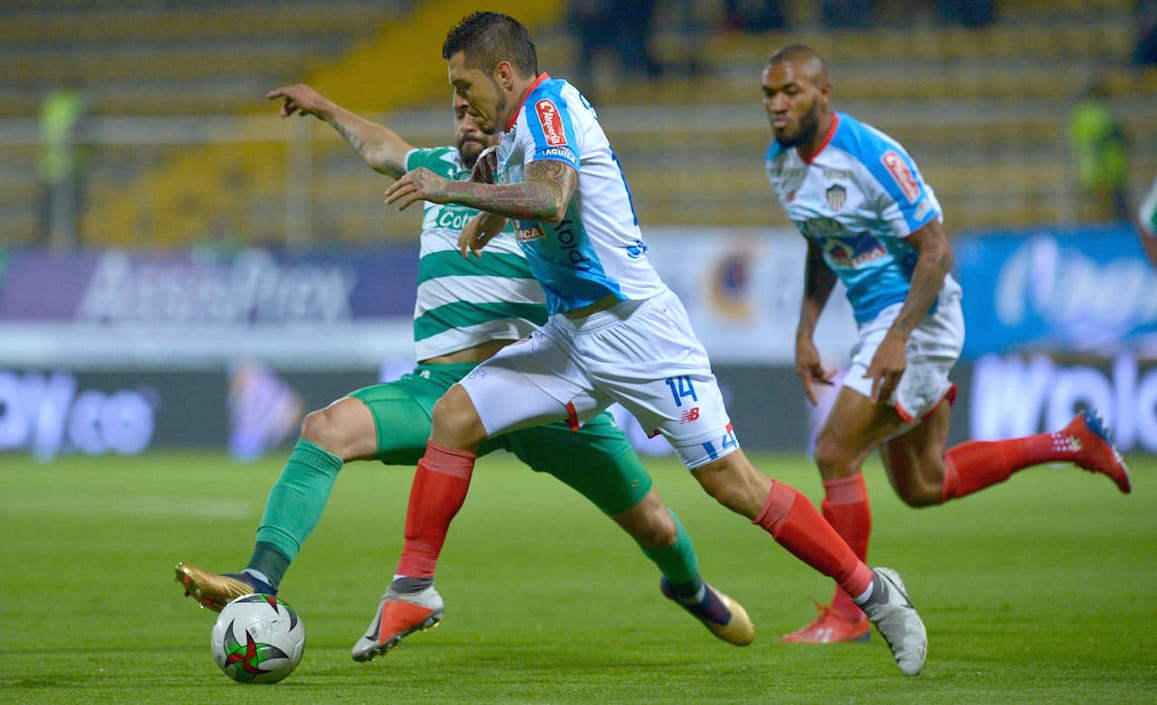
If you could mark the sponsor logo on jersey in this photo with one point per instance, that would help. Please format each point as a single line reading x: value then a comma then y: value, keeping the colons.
x: 820, y: 228
x: 785, y: 176
x: 837, y: 174
x: 570, y: 241
x: 528, y: 232
x: 551, y: 122
x: 558, y: 152
x: 854, y: 251
x: 837, y: 196
x: 637, y: 250
x: 895, y: 165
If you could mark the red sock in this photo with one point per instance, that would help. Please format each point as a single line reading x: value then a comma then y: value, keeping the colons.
x: 436, y: 495
x: 796, y: 525
x: 846, y: 508
x: 972, y: 466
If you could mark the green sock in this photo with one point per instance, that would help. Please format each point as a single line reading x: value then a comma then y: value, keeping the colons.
x: 678, y: 562
x: 294, y: 507
x: 268, y: 560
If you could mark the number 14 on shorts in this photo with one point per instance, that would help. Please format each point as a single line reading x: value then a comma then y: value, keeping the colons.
x: 684, y: 395
x: 682, y: 388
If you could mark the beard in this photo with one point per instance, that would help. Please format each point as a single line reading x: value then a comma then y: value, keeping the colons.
x: 808, y: 126
x: 499, y: 111
x: 468, y: 150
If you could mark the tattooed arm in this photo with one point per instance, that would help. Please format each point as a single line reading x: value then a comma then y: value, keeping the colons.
x: 543, y: 195
x: 378, y: 146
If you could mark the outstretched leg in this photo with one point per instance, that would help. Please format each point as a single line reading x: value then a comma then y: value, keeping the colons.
x: 342, y: 431
x: 598, y: 462
x: 796, y: 525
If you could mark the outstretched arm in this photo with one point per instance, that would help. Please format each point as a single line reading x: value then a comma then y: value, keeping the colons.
x: 378, y: 146
x: 543, y: 195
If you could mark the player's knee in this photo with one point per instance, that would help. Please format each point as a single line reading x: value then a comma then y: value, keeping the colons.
x: 918, y: 495
x: 455, y: 421
x: 830, y: 458
x: 657, y: 532
x: 320, y: 428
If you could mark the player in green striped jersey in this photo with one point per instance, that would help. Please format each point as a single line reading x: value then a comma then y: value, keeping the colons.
x: 466, y: 310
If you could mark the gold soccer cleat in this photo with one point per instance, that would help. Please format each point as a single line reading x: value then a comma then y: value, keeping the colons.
x: 215, y: 591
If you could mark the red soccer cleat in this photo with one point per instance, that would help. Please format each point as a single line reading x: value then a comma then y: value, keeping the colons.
x: 398, y: 616
x: 1095, y: 450
x: 831, y: 627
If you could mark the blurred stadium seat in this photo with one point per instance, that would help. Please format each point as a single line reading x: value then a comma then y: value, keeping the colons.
x: 982, y: 110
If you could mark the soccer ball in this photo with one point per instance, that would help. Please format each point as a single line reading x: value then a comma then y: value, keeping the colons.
x: 258, y: 639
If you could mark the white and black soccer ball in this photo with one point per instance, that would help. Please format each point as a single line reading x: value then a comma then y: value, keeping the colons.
x: 258, y: 639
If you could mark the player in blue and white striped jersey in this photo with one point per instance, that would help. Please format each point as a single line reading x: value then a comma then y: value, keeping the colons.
x: 616, y: 332
x: 871, y: 221
x: 465, y: 310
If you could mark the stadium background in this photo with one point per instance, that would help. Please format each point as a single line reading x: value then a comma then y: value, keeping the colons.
x: 228, y: 271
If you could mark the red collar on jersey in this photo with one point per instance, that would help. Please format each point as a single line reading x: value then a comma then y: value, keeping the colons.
x: 541, y: 77
x: 807, y: 159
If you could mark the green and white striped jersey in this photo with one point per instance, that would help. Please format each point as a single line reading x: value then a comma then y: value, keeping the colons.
x: 465, y: 302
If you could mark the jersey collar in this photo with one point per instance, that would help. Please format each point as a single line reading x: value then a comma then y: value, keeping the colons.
x: 514, y: 118
x: 807, y: 158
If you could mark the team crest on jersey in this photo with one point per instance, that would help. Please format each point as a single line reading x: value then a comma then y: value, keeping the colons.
x: 903, y: 176
x: 837, y: 196
x: 551, y: 122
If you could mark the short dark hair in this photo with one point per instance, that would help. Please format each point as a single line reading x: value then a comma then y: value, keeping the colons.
x: 488, y: 39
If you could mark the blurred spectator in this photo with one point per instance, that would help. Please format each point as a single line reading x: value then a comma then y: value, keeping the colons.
x: 62, y: 164
x: 842, y: 14
x: 624, y: 27
x: 1101, y: 156
x: 1145, y: 49
x: 973, y: 14
x: 755, y: 15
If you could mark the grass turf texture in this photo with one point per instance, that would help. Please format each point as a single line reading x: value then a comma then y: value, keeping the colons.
x: 1037, y: 591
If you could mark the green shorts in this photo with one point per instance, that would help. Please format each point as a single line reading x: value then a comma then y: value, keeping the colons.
x: 597, y: 460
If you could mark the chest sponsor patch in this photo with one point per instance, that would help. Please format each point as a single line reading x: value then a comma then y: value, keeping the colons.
x: 526, y: 233
x: 550, y: 121
x: 895, y: 165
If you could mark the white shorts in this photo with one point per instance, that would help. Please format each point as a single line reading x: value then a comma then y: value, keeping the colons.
x: 933, y: 349
x: 642, y: 354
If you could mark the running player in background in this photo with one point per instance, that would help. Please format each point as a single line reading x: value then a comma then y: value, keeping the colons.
x: 870, y: 220
x: 616, y: 332
x: 466, y: 310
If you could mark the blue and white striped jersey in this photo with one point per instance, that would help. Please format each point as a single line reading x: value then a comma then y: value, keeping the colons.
x: 597, y: 250
x: 859, y: 197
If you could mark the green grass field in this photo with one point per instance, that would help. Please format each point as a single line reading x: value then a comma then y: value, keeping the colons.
x: 1037, y: 591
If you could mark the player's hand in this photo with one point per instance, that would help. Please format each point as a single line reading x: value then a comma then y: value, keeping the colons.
x: 301, y: 100
x: 478, y: 231
x: 887, y: 367
x: 421, y: 184
x: 486, y: 166
x: 810, y: 368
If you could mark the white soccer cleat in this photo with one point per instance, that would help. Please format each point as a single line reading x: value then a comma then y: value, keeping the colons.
x: 897, y: 621
x: 398, y: 616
